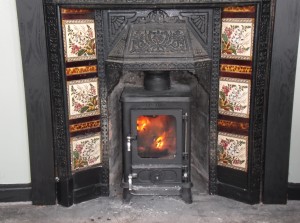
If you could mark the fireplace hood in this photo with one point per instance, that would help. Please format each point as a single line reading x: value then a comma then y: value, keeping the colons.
x: 158, y: 42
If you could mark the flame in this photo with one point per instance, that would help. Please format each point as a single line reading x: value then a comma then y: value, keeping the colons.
x: 156, y: 135
x: 142, y: 122
x: 160, y: 141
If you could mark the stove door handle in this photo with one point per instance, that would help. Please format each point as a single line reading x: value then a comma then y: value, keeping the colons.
x: 129, y: 139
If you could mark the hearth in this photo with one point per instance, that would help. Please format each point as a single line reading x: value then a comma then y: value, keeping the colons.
x: 156, y: 138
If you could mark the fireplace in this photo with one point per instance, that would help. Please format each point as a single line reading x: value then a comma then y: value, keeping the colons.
x: 156, y: 138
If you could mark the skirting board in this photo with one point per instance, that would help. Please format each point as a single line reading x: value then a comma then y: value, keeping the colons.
x: 294, y: 191
x: 15, y: 192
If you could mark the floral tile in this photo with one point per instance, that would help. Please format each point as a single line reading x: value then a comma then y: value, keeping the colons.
x: 237, y: 38
x: 232, y: 151
x: 83, y: 98
x: 240, y: 9
x: 233, y: 125
x: 79, y: 40
x: 75, y: 11
x: 84, y: 126
x: 71, y: 71
x: 230, y: 68
x: 85, y: 151
x: 234, y: 97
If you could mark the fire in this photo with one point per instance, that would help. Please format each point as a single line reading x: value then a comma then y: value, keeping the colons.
x: 160, y: 141
x: 156, y: 136
x: 142, y: 122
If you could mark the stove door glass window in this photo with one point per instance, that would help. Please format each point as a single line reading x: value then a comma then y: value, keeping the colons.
x: 156, y: 136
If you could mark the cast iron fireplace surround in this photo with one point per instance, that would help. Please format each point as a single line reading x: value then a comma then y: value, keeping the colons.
x: 66, y: 189
x: 199, y: 54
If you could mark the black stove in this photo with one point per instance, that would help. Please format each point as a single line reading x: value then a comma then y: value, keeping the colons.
x: 156, y: 138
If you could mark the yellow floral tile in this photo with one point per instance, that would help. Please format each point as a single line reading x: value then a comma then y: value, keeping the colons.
x: 70, y: 71
x: 240, y: 9
x: 230, y: 68
x: 84, y: 126
x: 79, y: 40
x: 232, y: 151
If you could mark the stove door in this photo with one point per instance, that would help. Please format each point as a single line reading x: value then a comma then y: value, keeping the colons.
x: 156, y: 147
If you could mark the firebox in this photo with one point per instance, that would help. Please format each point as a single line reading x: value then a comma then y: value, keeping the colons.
x: 156, y: 138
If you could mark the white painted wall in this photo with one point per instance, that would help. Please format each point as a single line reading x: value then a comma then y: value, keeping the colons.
x: 294, y: 169
x: 14, y: 152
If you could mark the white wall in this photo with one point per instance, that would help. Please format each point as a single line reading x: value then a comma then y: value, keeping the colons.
x: 14, y: 152
x: 294, y: 169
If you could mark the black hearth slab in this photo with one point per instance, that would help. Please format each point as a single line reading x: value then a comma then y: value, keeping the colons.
x: 178, y: 92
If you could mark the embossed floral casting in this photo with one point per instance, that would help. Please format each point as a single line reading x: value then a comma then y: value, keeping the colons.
x: 86, y: 151
x: 237, y: 38
x: 234, y: 97
x: 83, y: 98
x: 232, y: 151
x: 158, y: 41
x: 79, y: 40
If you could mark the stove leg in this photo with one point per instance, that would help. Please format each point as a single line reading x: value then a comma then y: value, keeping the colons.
x: 186, y: 195
x: 126, y: 195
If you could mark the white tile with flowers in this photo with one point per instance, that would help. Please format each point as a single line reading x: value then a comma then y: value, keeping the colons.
x: 234, y: 97
x: 86, y: 151
x: 232, y: 151
x: 237, y: 38
x: 83, y: 98
x: 79, y: 40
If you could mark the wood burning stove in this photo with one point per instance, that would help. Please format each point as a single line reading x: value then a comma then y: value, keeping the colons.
x: 156, y: 138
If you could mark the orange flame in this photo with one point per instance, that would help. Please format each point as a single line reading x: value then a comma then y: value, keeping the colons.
x: 156, y: 134
x: 160, y: 141
x: 142, y: 122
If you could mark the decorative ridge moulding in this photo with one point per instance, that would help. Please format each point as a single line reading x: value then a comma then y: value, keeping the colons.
x: 79, y: 40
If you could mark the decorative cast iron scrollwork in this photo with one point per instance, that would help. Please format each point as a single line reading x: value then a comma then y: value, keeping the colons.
x: 158, y: 41
x: 259, y: 109
x: 59, y: 109
x: 214, y: 96
x: 103, y: 101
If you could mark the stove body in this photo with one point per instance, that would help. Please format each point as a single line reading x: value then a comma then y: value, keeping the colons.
x: 156, y: 142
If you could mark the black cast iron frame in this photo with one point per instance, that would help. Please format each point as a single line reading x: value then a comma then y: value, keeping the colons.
x: 38, y: 184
